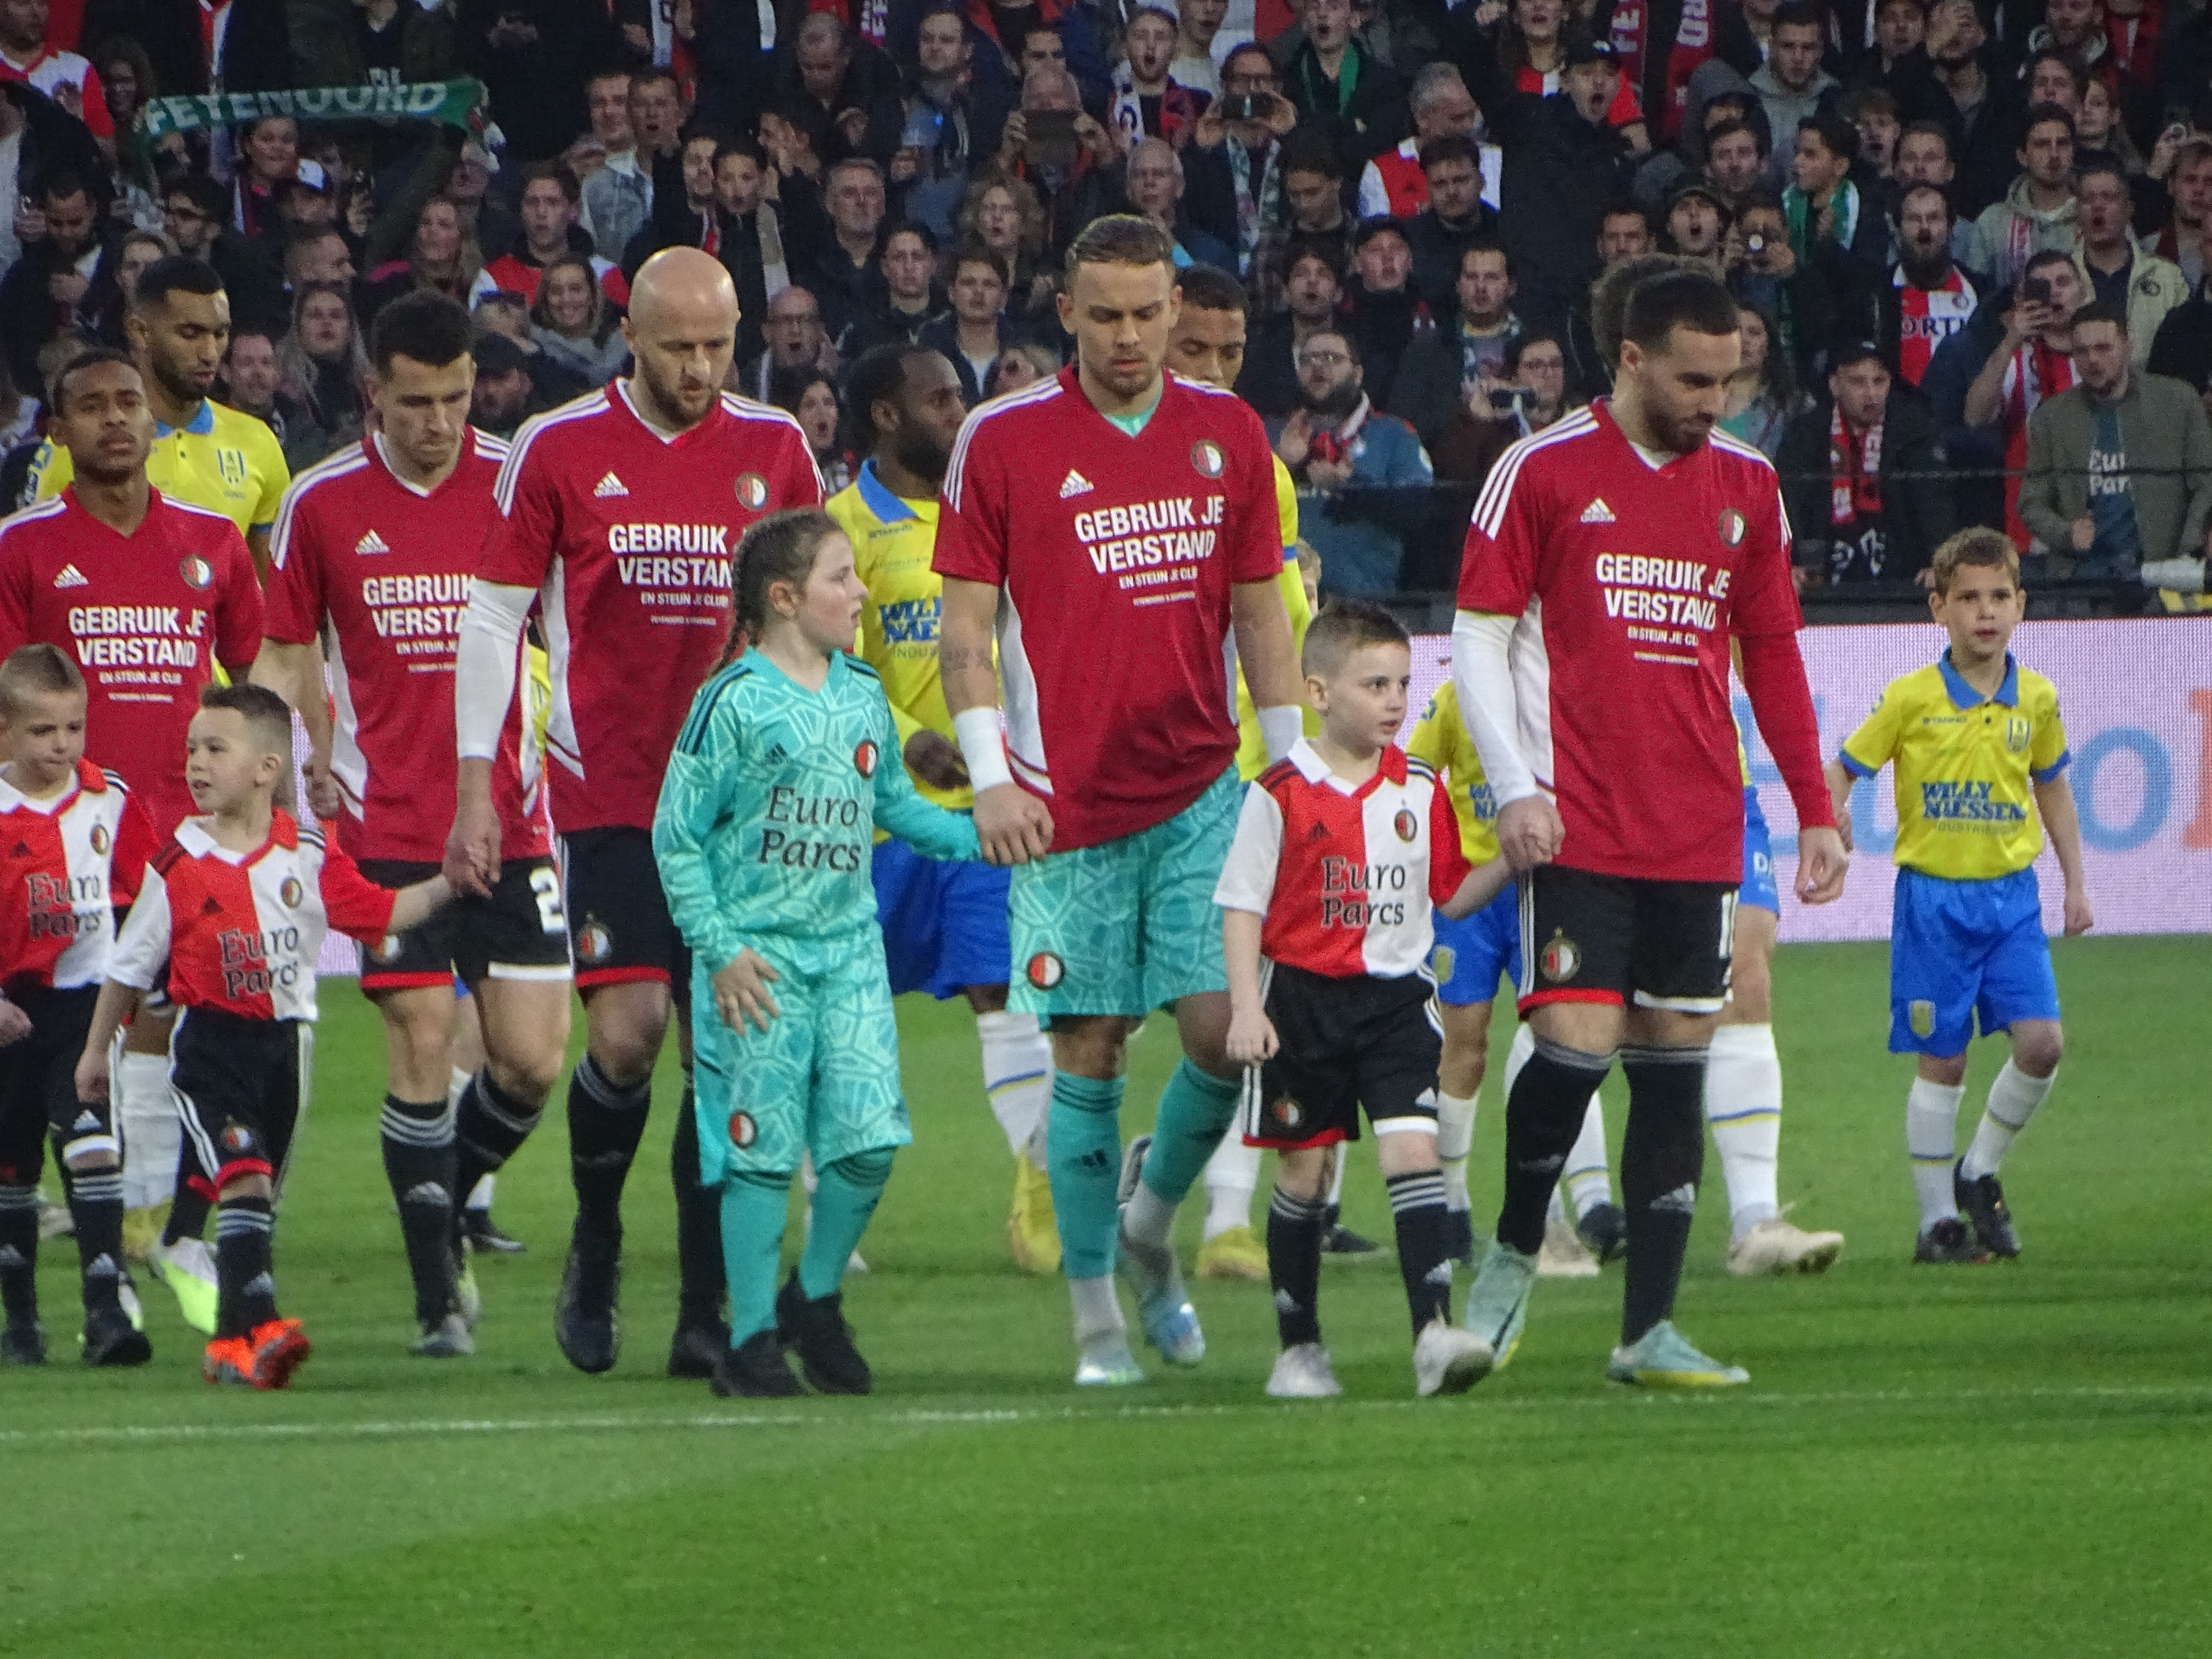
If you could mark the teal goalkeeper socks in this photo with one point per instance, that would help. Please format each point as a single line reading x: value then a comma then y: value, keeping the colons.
x: 1195, y: 1108
x: 753, y: 1206
x: 843, y: 1202
x: 1084, y: 1141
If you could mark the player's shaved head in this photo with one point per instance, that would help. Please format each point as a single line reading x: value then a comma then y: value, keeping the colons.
x: 682, y: 330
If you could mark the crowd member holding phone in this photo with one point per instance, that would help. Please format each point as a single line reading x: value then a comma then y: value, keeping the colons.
x: 2033, y: 361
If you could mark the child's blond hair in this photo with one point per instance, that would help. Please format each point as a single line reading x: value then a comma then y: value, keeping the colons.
x: 1977, y: 548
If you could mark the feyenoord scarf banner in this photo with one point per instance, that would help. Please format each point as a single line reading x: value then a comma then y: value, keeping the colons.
x: 450, y: 103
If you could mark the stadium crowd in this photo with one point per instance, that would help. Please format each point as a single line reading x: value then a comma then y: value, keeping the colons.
x: 1936, y: 221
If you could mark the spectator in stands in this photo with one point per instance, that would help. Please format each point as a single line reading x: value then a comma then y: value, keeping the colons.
x: 909, y: 272
x: 1463, y: 359
x: 1148, y: 102
x: 1855, y: 520
x: 2141, y: 287
x: 63, y: 281
x: 1623, y: 233
x: 325, y: 369
x: 1003, y: 215
x: 842, y: 275
x: 1341, y: 89
x: 1197, y: 26
x: 1395, y: 183
x: 194, y: 214
x: 608, y: 136
x: 1379, y: 304
x: 751, y: 243
x: 1875, y: 116
x: 1790, y: 83
x: 1977, y: 113
x: 1019, y: 366
x: 1831, y: 221
x: 318, y: 256
x: 1077, y: 178
x: 1233, y: 168
x: 973, y: 336
x: 1313, y: 216
x: 441, y: 258
x: 1529, y: 395
x: 954, y: 120
x: 505, y: 396
x: 1451, y: 219
x: 534, y: 55
x: 688, y: 216
x: 135, y: 251
x: 2181, y: 237
x: 1156, y: 191
x: 844, y: 91
x: 1697, y: 220
x: 1337, y: 442
x: 253, y: 383
x: 1815, y: 303
x: 1269, y: 381
x: 486, y: 220
x: 1735, y: 162
x: 618, y: 197
x: 552, y: 206
x: 795, y: 339
x: 271, y: 149
x: 1898, y: 64
x: 2039, y: 212
x: 574, y: 323
x: 2182, y: 348
x: 1928, y: 298
x: 2034, y: 359
x: 811, y: 399
x: 2054, y: 77
x: 2119, y: 465
x: 1763, y: 396
x: 2099, y: 129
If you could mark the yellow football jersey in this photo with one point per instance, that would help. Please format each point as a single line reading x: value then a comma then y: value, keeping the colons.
x: 1251, y: 746
x: 1441, y: 739
x: 224, y: 461
x: 893, y: 540
x: 1967, y: 768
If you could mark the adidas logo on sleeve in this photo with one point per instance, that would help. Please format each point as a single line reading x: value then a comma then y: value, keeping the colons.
x: 70, y: 576
x: 609, y: 486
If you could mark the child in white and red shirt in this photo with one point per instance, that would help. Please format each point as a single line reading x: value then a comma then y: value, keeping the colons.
x: 237, y: 906
x: 74, y: 844
x: 1341, y: 850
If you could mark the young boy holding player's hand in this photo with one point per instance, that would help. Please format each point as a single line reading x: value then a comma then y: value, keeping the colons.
x: 236, y: 906
x: 1341, y: 850
x: 1981, y: 761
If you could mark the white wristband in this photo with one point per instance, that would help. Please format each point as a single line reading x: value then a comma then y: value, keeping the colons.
x: 984, y: 746
x: 1281, y: 726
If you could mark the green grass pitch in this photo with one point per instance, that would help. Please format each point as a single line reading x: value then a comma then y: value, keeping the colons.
x: 2000, y: 1461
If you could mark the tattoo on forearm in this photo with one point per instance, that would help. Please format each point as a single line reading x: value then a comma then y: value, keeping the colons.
x: 959, y: 659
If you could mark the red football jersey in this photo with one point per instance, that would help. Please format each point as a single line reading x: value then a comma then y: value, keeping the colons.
x: 146, y: 615
x: 628, y: 536
x: 1628, y: 580
x: 242, y: 932
x: 1345, y: 877
x: 390, y: 565
x: 66, y: 866
x: 1115, y: 555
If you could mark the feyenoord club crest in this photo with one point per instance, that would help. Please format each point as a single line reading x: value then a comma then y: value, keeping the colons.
x: 291, y: 892
x: 1289, y: 1113
x: 1205, y: 455
x: 236, y: 1138
x: 389, y: 950
x: 742, y: 1130
x: 752, y: 491
x: 195, y: 571
x: 100, y: 839
x: 1405, y: 824
x: 1560, y: 958
x: 1046, y: 971
x: 593, y: 942
x: 1732, y: 527
x: 864, y: 760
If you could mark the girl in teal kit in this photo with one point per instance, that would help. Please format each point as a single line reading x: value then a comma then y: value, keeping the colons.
x: 788, y: 763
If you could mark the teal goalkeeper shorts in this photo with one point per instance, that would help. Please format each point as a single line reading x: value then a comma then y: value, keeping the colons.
x: 823, y: 1078
x: 1128, y: 926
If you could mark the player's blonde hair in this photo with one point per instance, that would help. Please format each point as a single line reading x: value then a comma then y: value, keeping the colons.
x: 780, y: 547
x: 1981, y: 548
x: 35, y: 670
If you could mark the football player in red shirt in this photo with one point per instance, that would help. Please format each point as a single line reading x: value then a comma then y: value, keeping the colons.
x: 374, y: 550
x: 1113, y: 527
x: 1611, y: 560
x: 619, y: 515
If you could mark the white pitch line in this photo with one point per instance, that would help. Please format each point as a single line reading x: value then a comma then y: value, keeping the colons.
x: 187, y: 1433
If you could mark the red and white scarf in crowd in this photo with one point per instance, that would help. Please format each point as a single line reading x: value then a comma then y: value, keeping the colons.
x: 1693, y: 46
x: 1854, y: 470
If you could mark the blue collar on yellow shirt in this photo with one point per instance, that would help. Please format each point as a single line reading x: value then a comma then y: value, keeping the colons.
x: 199, y: 426
x: 1964, y: 696
x: 888, y: 508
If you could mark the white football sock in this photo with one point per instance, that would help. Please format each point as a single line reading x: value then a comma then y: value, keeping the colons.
x: 1556, y: 1209
x: 1336, y: 1178
x: 1097, y: 1310
x: 1521, y: 1051
x: 1018, y: 1077
x: 1588, y: 1183
x: 1232, y: 1176
x: 2013, y: 1100
x: 1931, y: 1132
x: 1454, y: 1140
x: 479, y: 1197
x: 153, y: 1134
x: 1147, y: 1217
x: 457, y: 1083
x: 1743, y: 1105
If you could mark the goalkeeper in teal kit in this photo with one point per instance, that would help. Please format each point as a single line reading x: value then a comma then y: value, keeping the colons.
x: 787, y: 764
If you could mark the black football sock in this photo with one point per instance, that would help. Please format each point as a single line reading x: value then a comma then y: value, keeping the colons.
x: 19, y: 1250
x: 1543, y: 1116
x: 96, y: 1204
x: 246, y: 1290
x: 1417, y: 1208
x: 701, y: 1280
x: 188, y: 1209
x: 418, y: 1161
x: 489, y: 1125
x: 1295, y: 1226
x: 1662, y: 1158
x: 606, y: 1123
